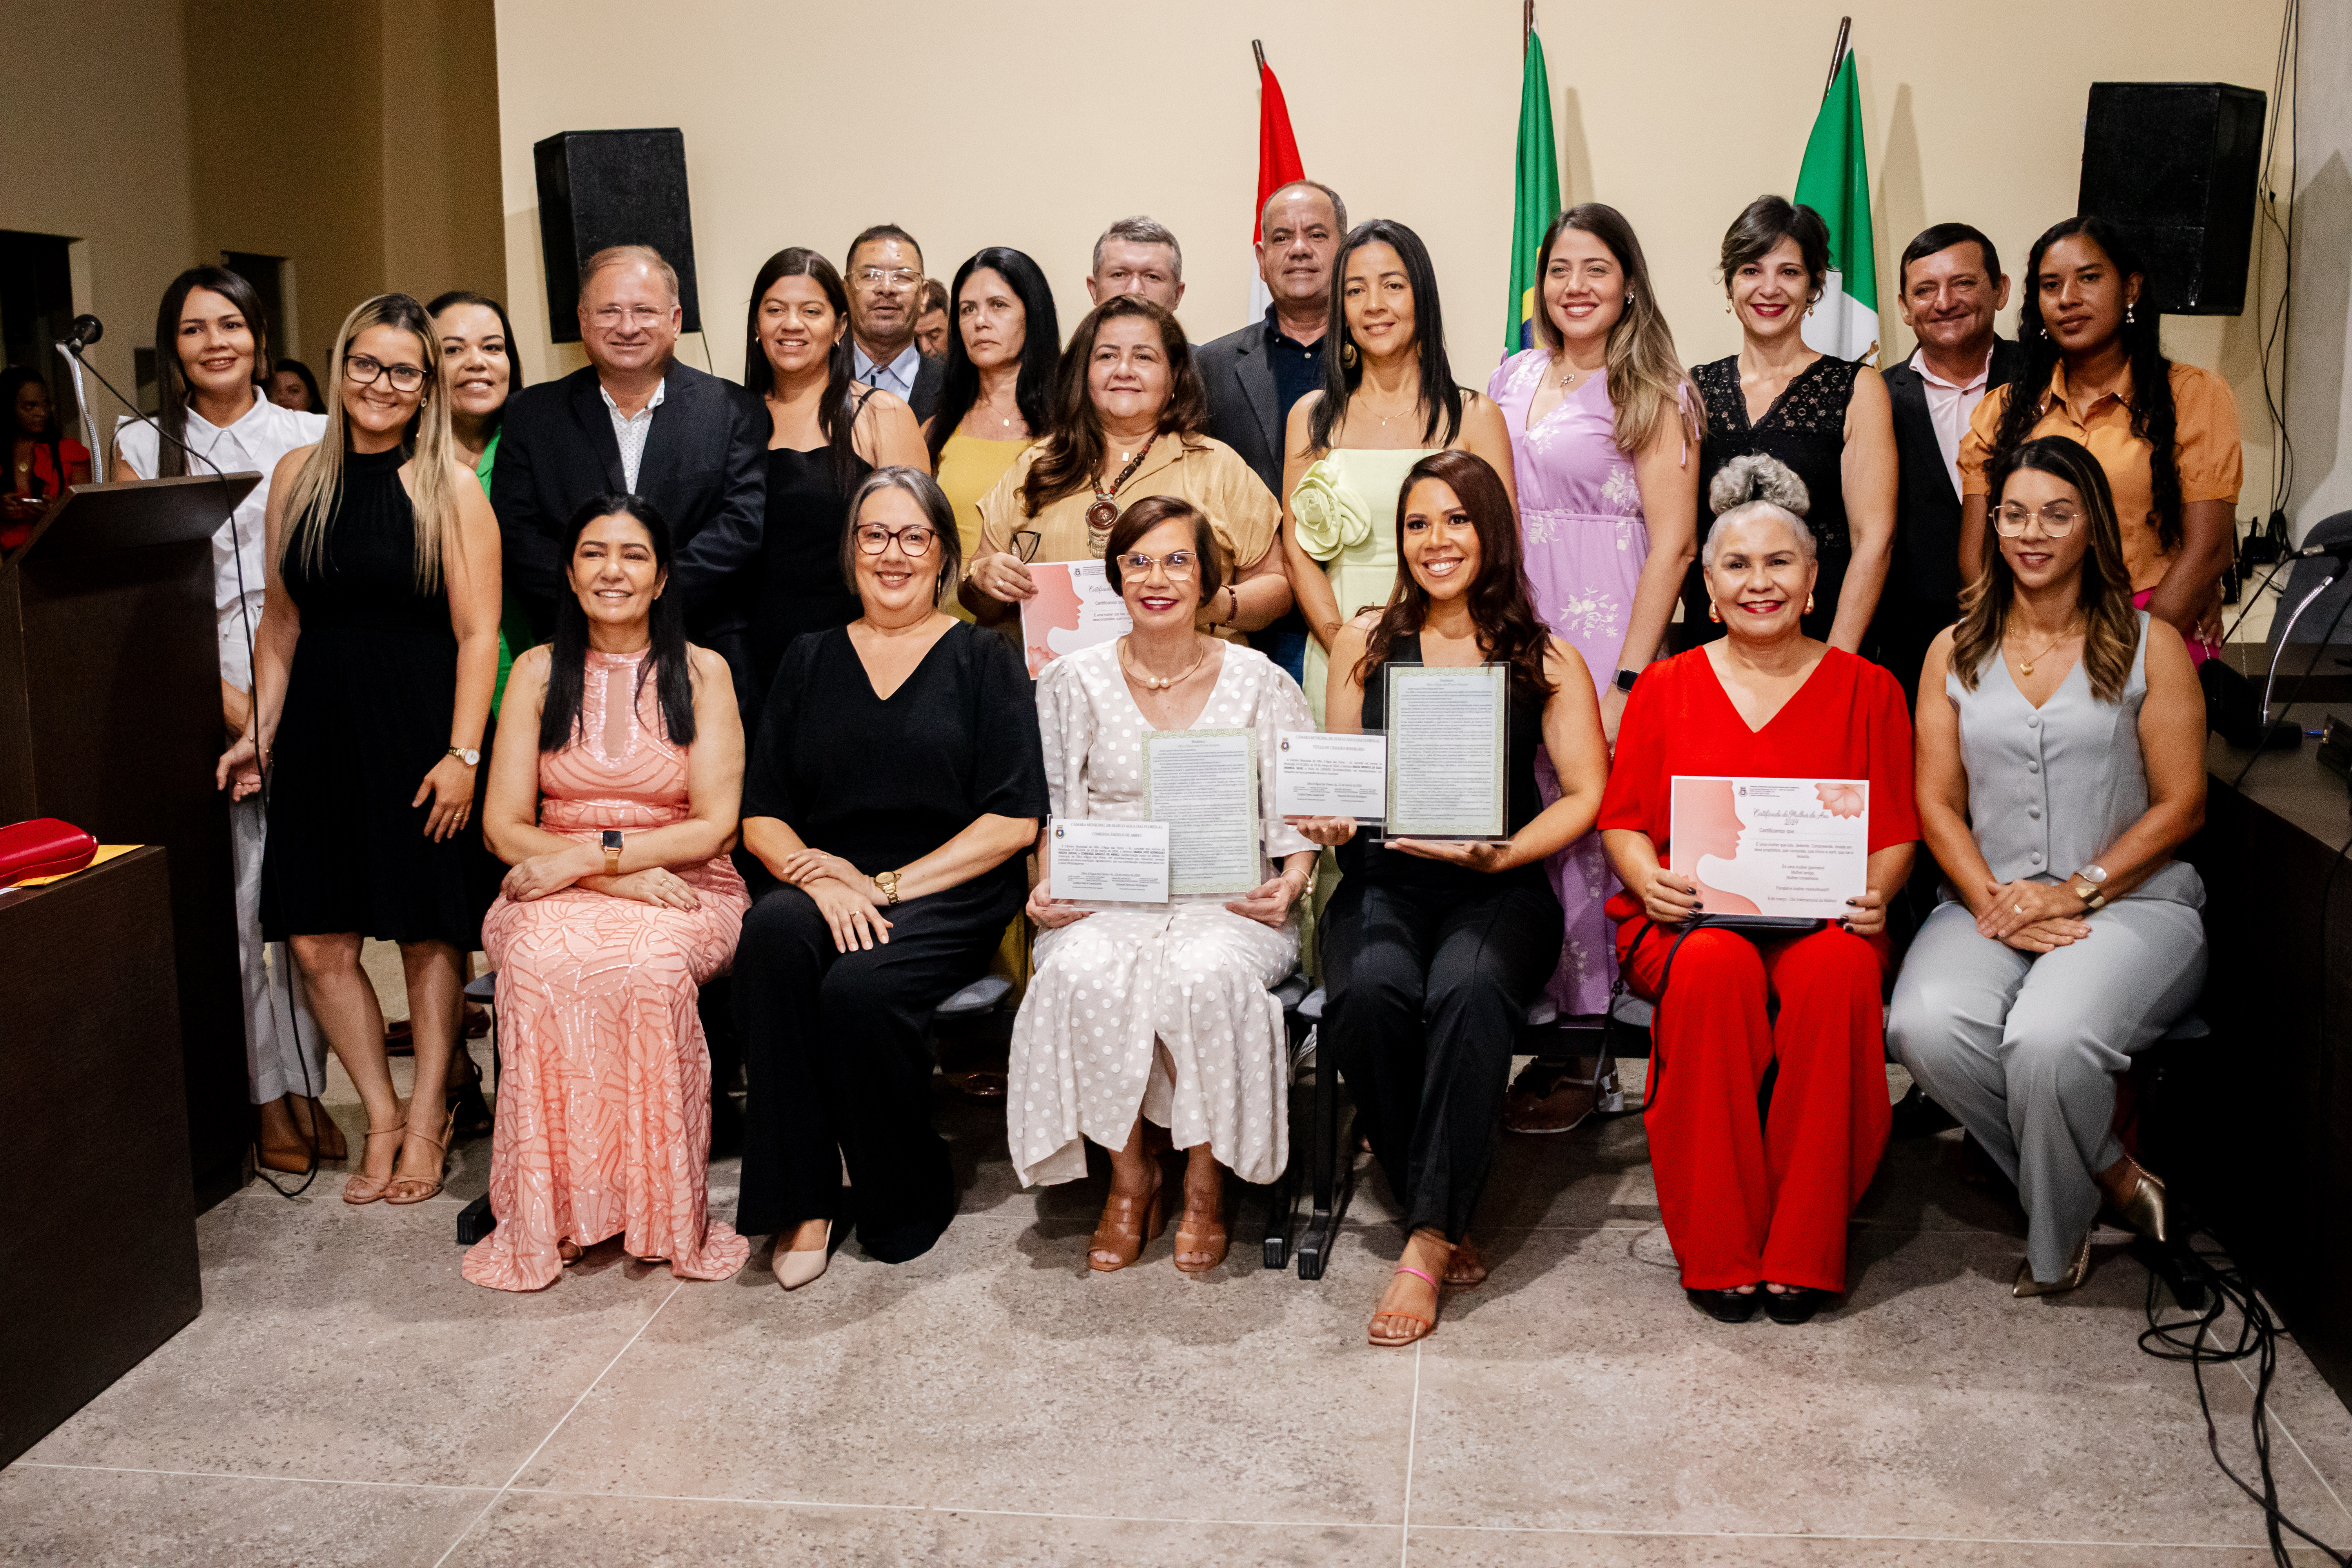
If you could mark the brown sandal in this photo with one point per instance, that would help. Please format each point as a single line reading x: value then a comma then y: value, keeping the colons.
x: 1428, y: 1325
x: 1127, y: 1226
x: 403, y: 1189
x: 363, y: 1188
x: 1200, y: 1233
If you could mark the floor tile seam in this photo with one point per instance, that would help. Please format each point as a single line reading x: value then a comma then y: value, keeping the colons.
x: 820, y: 1503
x: 1857, y: 1537
x: 2309, y: 1462
x: 574, y: 1409
x: 246, y: 1476
x: 1411, y: 1433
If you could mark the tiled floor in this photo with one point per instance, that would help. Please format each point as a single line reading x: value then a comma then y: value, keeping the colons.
x: 347, y: 1398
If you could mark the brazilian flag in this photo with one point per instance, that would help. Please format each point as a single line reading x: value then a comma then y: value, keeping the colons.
x: 1536, y: 201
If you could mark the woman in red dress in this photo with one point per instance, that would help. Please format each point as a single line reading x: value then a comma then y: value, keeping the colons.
x: 1752, y: 1199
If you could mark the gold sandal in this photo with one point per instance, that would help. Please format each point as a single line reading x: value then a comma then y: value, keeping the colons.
x: 403, y: 1189
x: 363, y: 1188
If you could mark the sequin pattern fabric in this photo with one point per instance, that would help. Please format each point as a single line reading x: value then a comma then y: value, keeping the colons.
x: 604, y: 1113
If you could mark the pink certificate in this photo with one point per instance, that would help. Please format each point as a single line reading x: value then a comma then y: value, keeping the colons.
x: 1073, y: 608
x: 1771, y: 847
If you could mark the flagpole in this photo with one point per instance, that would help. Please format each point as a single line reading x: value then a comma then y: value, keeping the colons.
x: 1258, y: 50
x: 1526, y: 25
x: 1837, y: 55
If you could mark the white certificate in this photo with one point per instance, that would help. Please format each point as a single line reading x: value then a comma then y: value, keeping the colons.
x: 1074, y: 607
x: 1331, y: 775
x: 1448, y: 738
x: 1771, y: 847
x: 1202, y: 784
x: 1098, y: 862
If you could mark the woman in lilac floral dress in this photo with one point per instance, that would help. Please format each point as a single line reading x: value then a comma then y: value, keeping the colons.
x: 1604, y: 437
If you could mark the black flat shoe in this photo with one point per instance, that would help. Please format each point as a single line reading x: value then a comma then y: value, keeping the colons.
x: 1797, y: 1304
x: 1726, y: 1305
x: 471, y: 1112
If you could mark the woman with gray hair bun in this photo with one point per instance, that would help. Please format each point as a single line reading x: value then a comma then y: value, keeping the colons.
x: 896, y: 781
x: 1754, y: 1200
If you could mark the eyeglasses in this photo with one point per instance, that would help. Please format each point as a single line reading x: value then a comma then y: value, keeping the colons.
x: 875, y: 276
x: 1179, y: 565
x: 915, y: 540
x: 645, y: 318
x: 2058, y: 518
x: 360, y: 370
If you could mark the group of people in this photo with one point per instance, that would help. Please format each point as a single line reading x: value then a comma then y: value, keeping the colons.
x: 697, y: 704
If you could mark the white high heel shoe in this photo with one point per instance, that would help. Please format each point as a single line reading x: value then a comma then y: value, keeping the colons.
x: 795, y: 1269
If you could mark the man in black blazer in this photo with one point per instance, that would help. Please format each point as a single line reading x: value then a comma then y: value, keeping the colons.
x: 1255, y: 374
x: 1951, y: 287
x: 638, y: 422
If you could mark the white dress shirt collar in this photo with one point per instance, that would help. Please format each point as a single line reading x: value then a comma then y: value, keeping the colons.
x: 897, y: 376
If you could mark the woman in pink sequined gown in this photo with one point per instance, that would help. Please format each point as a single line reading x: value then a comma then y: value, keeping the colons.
x: 603, y: 1117
x: 1601, y: 447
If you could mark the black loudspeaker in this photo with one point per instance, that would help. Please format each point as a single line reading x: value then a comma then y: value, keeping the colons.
x: 2174, y: 165
x: 611, y: 187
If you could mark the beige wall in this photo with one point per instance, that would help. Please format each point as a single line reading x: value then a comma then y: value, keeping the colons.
x: 1034, y: 125
x: 100, y: 157
x: 2319, y: 404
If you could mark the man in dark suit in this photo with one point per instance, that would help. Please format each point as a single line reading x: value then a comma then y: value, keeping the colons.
x: 1951, y: 287
x: 884, y: 277
x: 1255, y: 374
x: 638, y: 422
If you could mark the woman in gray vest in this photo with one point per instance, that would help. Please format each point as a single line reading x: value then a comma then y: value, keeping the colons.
x: 2064, y: 765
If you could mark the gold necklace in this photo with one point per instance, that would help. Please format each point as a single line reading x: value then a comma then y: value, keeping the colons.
x: 2025, y: 666
x: 1152, y: 682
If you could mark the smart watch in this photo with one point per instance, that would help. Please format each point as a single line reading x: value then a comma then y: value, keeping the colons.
x: 1624, y: 680
x: 612, y: 852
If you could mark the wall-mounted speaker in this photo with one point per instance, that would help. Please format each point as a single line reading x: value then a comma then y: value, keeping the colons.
x: 2174, y: 164
x: 611, y: 187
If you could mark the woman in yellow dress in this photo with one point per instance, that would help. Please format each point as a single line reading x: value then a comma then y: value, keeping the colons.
x: 998, y: 397
x: 1387, y: 400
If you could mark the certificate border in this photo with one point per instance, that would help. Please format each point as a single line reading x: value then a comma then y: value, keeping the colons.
x: 1257, y: 815
x: 1380, y: 735
x: 1769, y: 778
x: 1396, y: 827
x: 1097, y: 906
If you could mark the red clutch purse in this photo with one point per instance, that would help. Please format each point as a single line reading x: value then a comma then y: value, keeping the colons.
x: 44, y: 846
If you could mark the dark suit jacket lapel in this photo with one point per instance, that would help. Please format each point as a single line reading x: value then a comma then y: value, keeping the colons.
x: 1254, y: 372
x: 659, y: 469
x: 596, y: 423
x: 1909, y: 394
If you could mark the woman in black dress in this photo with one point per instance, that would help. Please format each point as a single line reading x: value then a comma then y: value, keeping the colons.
x: 373, y: 669
x: 1432, y: 951
x: 827, y: 433
x: 897, y: 781
x: 1827, y: 419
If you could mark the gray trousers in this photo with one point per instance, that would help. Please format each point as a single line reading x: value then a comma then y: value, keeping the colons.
x: 2024, y: 1050
x: 285, y: 1049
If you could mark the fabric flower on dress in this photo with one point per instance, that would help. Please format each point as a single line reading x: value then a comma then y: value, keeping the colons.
x: 1330, y: 516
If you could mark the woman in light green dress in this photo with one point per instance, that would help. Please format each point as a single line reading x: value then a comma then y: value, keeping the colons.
x: 1387, y: 399
x: 479, y: 368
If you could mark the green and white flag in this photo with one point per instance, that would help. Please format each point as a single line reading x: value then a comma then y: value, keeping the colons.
x: 1835, y: 183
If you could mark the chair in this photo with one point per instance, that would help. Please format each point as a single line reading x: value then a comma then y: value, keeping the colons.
x: 1334, y: 1177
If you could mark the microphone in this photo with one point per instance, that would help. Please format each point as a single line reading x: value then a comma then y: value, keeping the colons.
x: 83, y: 331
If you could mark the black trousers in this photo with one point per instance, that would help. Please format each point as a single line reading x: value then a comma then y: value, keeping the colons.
x: 838, y: 1069
x: 1427, y: 993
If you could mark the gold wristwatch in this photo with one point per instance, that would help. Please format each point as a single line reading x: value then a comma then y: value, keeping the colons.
x: 888, y: 882
x: 2085, y: 886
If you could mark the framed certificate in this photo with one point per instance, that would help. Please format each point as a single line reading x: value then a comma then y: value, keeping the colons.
x: 1316, y: 774
x: 1203, y: 785
x: 1449, y: 739
x: 1785, y: 848
x: 1073, y: 608
x: 1094, y: 861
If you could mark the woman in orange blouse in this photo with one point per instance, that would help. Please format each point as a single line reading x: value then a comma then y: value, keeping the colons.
x: 2165, y: 434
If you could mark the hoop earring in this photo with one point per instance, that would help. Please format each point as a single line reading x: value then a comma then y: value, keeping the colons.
x: 1712, y: 614
x: 1347, y: 353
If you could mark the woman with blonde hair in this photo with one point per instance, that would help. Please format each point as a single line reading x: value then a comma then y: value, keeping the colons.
x: 373, y: 669
x: 2061, y: 768
x: 1604, y: 428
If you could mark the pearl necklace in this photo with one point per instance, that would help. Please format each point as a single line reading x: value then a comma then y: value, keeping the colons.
x: 1152, y: 682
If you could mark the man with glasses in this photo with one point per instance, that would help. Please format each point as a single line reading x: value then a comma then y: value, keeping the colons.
x: 886, y: 301
x: 1951, y: 287
x: 638, y: 422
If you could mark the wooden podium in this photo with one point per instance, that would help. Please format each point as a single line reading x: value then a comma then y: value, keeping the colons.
x: 111, y: 719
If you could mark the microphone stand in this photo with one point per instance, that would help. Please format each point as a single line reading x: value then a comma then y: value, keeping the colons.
x: 71, y: 350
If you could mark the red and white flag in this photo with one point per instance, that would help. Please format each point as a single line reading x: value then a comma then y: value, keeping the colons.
x: 1277, y: 165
